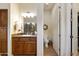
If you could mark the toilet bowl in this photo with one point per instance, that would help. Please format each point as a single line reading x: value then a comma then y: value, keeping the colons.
x: 46, y: 41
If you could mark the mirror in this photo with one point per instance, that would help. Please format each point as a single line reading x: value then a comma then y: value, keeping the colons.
x: 30, y: 26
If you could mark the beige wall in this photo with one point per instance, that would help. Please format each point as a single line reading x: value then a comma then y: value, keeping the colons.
x: 31, y: 7
x: 47, y: 21
x: 55, y: 28
x: 15, y: 17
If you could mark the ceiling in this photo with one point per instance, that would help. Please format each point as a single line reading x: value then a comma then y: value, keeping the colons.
x: 49, y: 6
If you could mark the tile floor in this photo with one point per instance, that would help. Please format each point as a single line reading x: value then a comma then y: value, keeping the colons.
x: 49, y: 51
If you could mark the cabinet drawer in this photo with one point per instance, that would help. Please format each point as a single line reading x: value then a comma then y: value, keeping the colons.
x: 32, y: 39
x: 27, y: 39
x: 23, y: 39
x: 14, y: 39
x: 29, y: 48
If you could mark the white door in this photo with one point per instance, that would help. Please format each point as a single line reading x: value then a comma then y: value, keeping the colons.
x: 68, y: 29
x: 59, y: 32
x: 62, y: 29
x: 74, y: 29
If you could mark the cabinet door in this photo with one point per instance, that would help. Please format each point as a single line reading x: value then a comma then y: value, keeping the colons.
x: 3, y: 17
x: 18, y: 48
x: 23, y: 46
x: 3, y: 40
x: 3, y: 31
x: 4, y: 46
x: 29, y: 48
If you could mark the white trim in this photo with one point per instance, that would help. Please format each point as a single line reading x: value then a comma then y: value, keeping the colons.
x: 68, y: 30
x: 40, y: 29
x: 74, y: 29
x: 62, y: 44
x: 9, y: 36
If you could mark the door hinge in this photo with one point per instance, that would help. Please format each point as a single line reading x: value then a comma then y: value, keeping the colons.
x: 59, y: 35
x: 59, y: 49
x: 71, y: 36
x: 59, y: 7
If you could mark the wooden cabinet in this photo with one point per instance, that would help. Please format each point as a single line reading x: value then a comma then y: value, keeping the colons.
x: 0, y: 46
x: 4, y: 46
x: 30, y: 48
x: 3, y: 41
x: 24, y: 46
x: 3, y: 31
x: 17, y: 46
x: 3, y: 17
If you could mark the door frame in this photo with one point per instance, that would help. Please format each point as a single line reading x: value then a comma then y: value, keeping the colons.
x: 74, y: 30
x: 40, y: 18
x: 68, y: 30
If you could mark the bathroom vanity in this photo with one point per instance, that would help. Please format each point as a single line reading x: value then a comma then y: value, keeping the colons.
x: 24, y: 45
x: 24, y: 36
x: 25, y: 42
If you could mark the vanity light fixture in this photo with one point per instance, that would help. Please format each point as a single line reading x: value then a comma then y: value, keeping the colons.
x: 46, y: 3
x: 28, y: 14
x: 28, y: 23
x: 33, y: 23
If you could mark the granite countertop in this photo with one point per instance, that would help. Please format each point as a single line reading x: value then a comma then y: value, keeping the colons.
x: 23, y: 35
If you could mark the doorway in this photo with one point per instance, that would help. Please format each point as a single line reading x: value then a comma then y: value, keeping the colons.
x: 3, y: 31
x: 51, y: 30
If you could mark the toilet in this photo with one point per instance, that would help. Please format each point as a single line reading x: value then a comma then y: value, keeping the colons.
x: 46, y: 41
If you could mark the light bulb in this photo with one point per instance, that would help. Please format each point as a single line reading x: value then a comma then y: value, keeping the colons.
x: 28, y: 15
